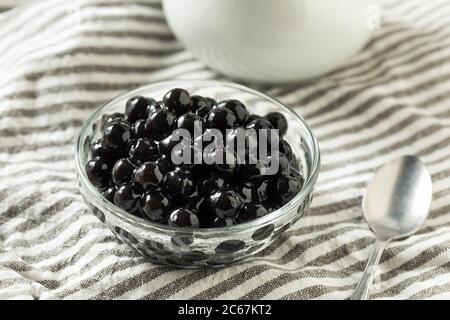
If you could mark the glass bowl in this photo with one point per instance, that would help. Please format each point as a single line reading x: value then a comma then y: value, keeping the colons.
x: 192, y: 248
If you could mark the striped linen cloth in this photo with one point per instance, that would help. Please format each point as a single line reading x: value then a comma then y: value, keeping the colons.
x: 60, y: 59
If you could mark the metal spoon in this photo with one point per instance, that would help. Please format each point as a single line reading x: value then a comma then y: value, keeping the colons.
x: 395, y: 205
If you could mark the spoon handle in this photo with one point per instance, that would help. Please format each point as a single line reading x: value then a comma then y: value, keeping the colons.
x: 362, y: 290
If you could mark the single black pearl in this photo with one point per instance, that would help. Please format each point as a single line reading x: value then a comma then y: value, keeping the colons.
x: 211, y: 102
x: 166, y: 146
x: 220, y: 118
x: 140, y: 129
x: 154, y: 106
x: 155, y: 206
x: 108, y: 194
x: 148, y: 174
x: 198, y: 102
x: 251, y: 211
x: 98, y: 149
x: 283, y: 163
x: 238, y: 108
x: 127, y: 197
x: 179, y: 185
x: 178, y: 100
x: 259, y: 124
x: 143, y: 150
x: 285, y: 188
x: 137, y: 108
x: 98, y: 171
x: 278, y: 121
x: 293, y: 172
x: 285, y: 148
x: 225, y: 203
x: 183, y: 218
x: 117, y: 135
x: 190, y: 122
x: 122, y: 171
x: 165, y: 165
x: 211, y: 184
x: 203, y: 111
x: 252, y: 117
x: 109, y: 118
x: 161, y: 123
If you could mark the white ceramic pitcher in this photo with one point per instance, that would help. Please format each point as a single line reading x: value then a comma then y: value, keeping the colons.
x: 270, y: 40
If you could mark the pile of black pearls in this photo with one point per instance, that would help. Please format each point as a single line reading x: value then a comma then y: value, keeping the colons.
x: 131, y: 165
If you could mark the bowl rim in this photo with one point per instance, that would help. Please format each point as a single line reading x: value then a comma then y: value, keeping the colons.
x: 152, y: 226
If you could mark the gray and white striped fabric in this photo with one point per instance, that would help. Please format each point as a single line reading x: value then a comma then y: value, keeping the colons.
x: 60, y: 59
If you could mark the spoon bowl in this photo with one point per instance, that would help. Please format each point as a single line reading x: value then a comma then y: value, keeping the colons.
x: 398, y: 198
x: 395, y: 206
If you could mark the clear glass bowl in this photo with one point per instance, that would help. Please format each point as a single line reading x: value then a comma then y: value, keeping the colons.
x: 210, y: 246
